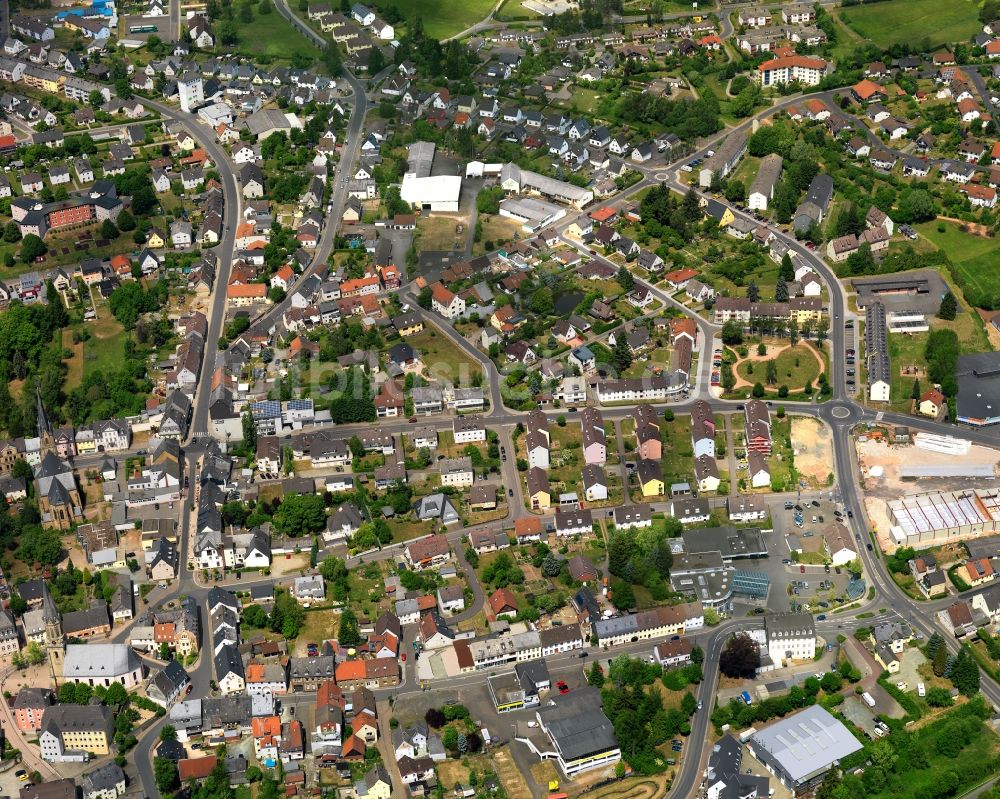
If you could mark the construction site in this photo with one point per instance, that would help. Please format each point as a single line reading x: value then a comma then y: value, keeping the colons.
x: 928, y: 490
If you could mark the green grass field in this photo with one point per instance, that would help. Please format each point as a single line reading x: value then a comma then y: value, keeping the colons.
x: 795, y: 366
x: 271, y: 35
x: 444, y: 18
x: 443, y: 359
x: 914, y: 22
x: 973, y: 259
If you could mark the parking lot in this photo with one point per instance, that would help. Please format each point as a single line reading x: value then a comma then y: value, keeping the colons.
x: 811, y: 582
x: 851, y: 349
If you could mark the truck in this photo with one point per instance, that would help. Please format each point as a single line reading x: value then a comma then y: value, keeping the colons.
x: 868, y: 699
x: 485, y: 734
x: 745, y: 696
x: 747, y: 734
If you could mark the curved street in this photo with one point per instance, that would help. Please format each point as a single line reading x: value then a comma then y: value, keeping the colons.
x: 841, y: 413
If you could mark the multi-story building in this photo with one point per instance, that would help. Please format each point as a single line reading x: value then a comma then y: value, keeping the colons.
x: 790, y: 637
x: 71, y: 733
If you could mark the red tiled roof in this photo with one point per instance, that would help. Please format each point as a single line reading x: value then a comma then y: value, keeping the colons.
x: 196, y: 768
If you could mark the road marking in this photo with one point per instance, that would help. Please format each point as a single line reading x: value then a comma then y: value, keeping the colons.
x: 662, y: 176
x: 840, y: 412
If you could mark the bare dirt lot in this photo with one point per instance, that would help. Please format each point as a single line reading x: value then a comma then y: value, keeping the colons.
x: 813, y: 452
x: 891, y: 457
x: 510, y: 777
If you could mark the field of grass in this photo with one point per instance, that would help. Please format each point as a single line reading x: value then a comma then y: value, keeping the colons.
x: 978, y: 275
x: 317, y: 627
x: 105, y: 350
x: 959, y: 246
x: 583, y: 101
x: 444, y: 18
x: 496, y: 230
x: 443, y: 359
x: 437, y: 234
x: 795, y: 365
x: 271, y: 35
x: 973, y: 258
x: 920, y: 23
x: 677, y: 460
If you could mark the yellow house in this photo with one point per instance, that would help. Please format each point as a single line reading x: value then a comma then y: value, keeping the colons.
x: 887, y: 658
x: 539, y: 497
x: 506, y: 319
x: 44, y: 81
x: 85, y: 446
x: 720, y: 212
x: 806, y: 309
x: 931, y: 403
x: 155, y: 239
x: 578, y: 228
x: 376, y: 782
x: 650, y: 478
x: 76, y: 728
x: 408, y: 325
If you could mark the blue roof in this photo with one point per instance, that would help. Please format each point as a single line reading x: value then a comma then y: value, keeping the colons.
x: 583, y: 353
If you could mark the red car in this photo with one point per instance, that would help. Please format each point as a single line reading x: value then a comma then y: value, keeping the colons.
x: 563, y: 688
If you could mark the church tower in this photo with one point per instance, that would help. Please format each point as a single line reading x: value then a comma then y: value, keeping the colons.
x: 55, y: 645
x: 46, y: 439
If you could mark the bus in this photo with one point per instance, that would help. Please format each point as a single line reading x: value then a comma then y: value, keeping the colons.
x: 143, y: 29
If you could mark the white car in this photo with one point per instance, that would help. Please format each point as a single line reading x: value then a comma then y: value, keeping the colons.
x: 921, y: 689
x: 902, y: 686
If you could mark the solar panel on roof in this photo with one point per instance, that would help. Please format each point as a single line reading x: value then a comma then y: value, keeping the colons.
x: 300, y: 404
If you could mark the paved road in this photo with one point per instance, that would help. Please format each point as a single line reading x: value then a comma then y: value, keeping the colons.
x: 840, y: 413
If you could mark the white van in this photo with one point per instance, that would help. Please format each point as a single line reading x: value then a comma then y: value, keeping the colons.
x: 921, y: 690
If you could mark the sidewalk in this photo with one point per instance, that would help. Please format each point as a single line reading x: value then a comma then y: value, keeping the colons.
x: 30, y: 758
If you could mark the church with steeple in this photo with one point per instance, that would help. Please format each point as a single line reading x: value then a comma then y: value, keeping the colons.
x: 59, y: 499
x: 55, y: 643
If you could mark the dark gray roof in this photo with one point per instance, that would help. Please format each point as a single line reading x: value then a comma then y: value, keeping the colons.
x: 978, y: 385
x: 577, y: 724
x: 228, y: 661
x: 102, y: 778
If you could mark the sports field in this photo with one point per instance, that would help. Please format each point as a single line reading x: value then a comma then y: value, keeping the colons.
x: 921, y: 23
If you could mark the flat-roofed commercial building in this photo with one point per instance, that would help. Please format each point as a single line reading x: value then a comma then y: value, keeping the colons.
x: 574, y: 731
x: 926, y: 520
x: 800, y: 749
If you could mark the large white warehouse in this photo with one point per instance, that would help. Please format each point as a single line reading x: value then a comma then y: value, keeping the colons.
x: 438, y: 193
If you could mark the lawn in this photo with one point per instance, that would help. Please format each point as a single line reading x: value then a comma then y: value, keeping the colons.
x: 443, y: 18
x: 496, y: 230
x: 677, y: 460
x: 583, y: 101
x: 105, y: 349
x: 959, y: 246
x: 922, y: 24
x: 316, y: 628
x: 973, y: 259
x: 795, y: 365
x: 443, y: 360
x: 271, y: 35
x: 782, y: 461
